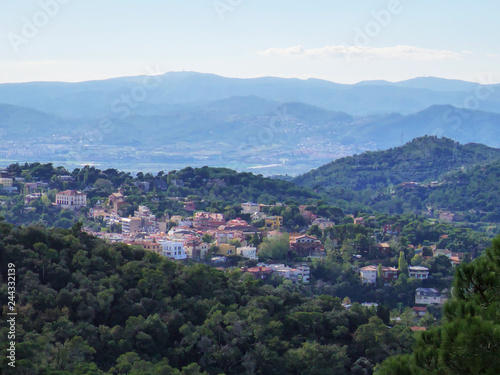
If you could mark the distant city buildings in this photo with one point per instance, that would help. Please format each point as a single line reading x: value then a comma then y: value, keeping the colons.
x: 208, y: 220
x: 31, y: 197
x: 295, y: 274
x: 368, y: 274
x: 247, y: 252
x: 150, y: 246
x: 143, y: 185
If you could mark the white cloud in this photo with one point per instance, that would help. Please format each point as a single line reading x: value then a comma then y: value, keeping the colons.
x: 493, y: 55
x: 290, y: 51
x: 340, y: 51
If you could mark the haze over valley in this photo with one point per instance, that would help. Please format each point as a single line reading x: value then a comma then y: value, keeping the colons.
x: 265, y: 125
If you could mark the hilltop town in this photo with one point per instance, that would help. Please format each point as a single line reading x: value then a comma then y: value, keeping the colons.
x: 400, y: 261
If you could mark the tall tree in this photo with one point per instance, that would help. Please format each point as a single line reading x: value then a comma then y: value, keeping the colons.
x: 380, y: 276
x: 468, y: 342
x: 402, y: 263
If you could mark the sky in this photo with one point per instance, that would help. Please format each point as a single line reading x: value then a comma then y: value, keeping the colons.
x: 343, y: 41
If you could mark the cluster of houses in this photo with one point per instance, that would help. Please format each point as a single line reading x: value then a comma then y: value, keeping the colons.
x: 298, y: 274
x: 230, y: 236
x: 188, y: 238
x: 369, y: 274
x: 423, y: 296
x: 68, y: 199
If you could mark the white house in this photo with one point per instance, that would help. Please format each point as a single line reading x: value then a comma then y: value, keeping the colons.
x: 427, y: 296
x: 6, y: 182
x: 418, y: 272
x: 71, y: 199
x: 298, y: 274
x: 173, y: 250
x: 247, y: 252
x: 368, y: 274
x: 249, y: 208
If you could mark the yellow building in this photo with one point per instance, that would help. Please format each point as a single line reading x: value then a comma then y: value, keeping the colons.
x: 148, y: 245
x: 226, y: 249
x: 274, y: 222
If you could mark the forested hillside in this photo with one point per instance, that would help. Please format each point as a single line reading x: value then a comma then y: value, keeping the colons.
x: 205, y: 182
x: 212, y: 189
x: 472, y: 192
x: 429, y: 175
x: 87, y: 307
x: 423, y: 159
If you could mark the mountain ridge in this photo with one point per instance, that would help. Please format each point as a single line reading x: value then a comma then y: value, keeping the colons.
x: 192, y: 87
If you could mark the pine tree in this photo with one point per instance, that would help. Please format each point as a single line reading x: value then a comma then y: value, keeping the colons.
x: 468, y: 342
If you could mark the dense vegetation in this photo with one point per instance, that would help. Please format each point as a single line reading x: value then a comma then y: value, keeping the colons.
x: 212, y: 189
x: 205, y: 182
x: 87, y: 307
x: 468, y: 341
x: 469, y: 193
x: 423, y: 159
x: 466, y: 178
x: 336, y: 272
x: 472, y: 192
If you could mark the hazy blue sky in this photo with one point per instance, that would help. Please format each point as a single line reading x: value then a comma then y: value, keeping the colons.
x: 344, y: 41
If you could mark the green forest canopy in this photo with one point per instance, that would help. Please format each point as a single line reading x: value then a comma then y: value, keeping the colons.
x: 85, y: 306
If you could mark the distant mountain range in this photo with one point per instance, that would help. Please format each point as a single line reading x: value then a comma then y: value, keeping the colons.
x: 269, y: 125
x: 168, y: 91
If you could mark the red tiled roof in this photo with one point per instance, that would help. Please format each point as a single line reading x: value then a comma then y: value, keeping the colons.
x: 420, y: 309
x: 258, y: 269
x: 369, y: 268
x: 416, y: 328
x: 70, y: 193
